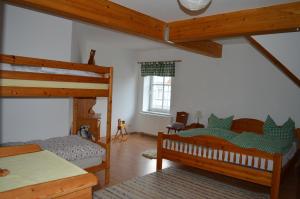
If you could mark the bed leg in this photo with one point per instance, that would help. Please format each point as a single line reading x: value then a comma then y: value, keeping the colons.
x: 107, y: 176
x: 276, y: 177
x: 159, y: 152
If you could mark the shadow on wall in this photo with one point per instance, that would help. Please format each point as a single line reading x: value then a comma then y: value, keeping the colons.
x: 1, y: 46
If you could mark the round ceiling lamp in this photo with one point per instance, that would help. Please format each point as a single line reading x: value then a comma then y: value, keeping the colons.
x: 194, y: 5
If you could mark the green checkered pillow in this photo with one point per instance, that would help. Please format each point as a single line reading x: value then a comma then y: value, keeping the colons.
x: 221, y: 123
x: 284, y: 132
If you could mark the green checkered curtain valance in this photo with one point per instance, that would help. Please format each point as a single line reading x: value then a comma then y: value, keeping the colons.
x: 161, y: 68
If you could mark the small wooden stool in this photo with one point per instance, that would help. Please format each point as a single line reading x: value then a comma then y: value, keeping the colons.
x: 120, y: 135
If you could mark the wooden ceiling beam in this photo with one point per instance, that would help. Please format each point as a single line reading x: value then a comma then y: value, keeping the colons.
x: 274, y: 60
x: 277, y: 18
x: 102, y: 13
x: 205, y: 47
x: 114, y: 16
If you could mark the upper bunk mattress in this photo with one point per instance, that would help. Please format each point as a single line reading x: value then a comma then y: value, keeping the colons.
x: 71, y: 147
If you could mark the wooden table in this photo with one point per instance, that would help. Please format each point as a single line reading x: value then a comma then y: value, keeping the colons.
x: 77, y: 186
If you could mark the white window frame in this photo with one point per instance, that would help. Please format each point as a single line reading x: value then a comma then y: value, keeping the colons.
x: 149, y: 94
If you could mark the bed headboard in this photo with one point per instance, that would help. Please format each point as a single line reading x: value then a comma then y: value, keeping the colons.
x: 247, y: 124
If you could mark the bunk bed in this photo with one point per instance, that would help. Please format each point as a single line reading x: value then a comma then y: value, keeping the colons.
x: 32, y: 77
x: 221, y: 156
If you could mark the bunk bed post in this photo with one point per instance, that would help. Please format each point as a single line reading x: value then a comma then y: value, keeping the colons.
x: 75, y: 115
x: 275, y: 184
x: 108, y: 126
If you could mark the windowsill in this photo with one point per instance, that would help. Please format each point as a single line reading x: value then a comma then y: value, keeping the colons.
x: 156, y: 114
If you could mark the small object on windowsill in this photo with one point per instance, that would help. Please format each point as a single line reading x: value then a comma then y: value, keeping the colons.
x: 3, y: 172
x: 194, y: 126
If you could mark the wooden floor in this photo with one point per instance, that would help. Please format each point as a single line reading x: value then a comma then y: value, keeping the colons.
x: 127, y: 162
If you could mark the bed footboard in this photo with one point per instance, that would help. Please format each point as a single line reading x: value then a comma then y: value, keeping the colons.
x: 220, y: 156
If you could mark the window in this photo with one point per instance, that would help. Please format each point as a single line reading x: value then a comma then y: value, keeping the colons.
x: 157, y: 94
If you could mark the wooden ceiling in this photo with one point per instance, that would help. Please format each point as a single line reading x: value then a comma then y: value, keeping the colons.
x: 278, y: 18
x: 193, y: 34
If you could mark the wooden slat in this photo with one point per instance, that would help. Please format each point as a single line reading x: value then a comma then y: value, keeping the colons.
x: 35, y: 62
x: 18, y: 150
x: 101, y: 12
x: 51, y: 77
x: 205, y: 47
x: 277, y: 18
x: 274, y: 60
x: 259, y: 163
x: 246, y: 160
x: 234, y: 158
x: 51, y: 92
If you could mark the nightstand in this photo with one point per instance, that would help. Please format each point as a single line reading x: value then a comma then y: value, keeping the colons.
x: 194, y: 126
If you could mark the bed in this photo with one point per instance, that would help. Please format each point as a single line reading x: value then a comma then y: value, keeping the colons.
x: 73, y: 148
x: 33, y: 77
x: 50, y: 176
x: 209, y: 153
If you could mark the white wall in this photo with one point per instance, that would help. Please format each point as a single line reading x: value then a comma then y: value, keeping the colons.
x: 279, y: 44
x: 124, y: 78
x: 242, y: 83
x: 34, y: 34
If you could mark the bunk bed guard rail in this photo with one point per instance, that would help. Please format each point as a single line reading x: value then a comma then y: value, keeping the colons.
x: 33, y: 77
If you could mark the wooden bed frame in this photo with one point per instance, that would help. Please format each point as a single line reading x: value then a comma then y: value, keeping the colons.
x: 66, y: 188
x: 83, y: 98
x: 186, y: 150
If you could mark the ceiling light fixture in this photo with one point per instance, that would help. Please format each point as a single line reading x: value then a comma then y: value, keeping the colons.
x: 194, y: 5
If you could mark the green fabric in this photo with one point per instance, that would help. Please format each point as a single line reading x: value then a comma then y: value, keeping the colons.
x: 261, y: 142
x: 34, y: 168
x: 284, y: 132
x: 164, y: 69
x: 216, y: 132
x: 222, y: 123
x: 244, y: 140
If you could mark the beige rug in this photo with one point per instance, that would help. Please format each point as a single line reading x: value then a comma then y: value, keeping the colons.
x: 174, y: 183
x: 151, y: 154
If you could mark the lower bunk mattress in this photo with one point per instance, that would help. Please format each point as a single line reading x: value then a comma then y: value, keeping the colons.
x: 73, y: 148
x: 175, y: 183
